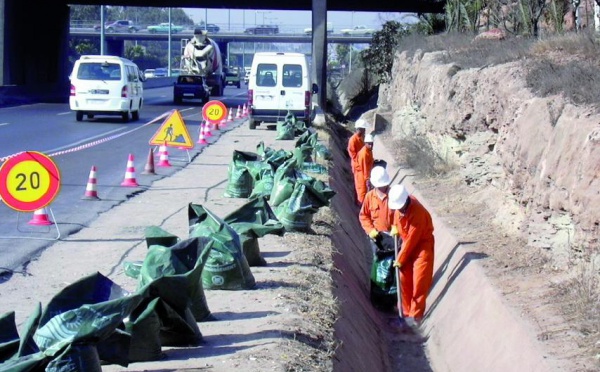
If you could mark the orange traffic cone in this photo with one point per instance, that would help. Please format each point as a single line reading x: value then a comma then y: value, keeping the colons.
x: 163, y: 160
x: 207, y: 132
x: 245, y: 111
x: 149, y: 167
x: 40, y: 218
x: 230, y: 117
x: 130, y: 174
x: 201, y: 138
x: 238, y: 113
x: 90, y: 189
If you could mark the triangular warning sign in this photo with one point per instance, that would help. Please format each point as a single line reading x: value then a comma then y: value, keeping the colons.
x: 173, y: 133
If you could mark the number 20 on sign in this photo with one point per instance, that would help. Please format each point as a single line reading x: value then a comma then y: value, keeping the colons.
x: 29, y: 181
x: 214, y: 111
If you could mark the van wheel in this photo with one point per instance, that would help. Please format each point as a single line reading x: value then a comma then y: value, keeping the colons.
x: 135, y: 115
x: 90, y: 116
x: 125, y: 116
x: 79, y: 116
x: 251, y: 124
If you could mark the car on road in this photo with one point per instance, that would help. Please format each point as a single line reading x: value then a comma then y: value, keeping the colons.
x: 164, y: 28
x: 358, y: 30
x: 161, y: 72
x: 308, y: 31
x: 190, y: 87
x: 149, y: 73
x: 211, y: 27
x: 262, y: 30
x: 119, y: 26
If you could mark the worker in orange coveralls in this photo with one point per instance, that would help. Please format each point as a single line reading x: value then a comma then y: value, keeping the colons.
x: 375, y: 216
x: 362, y: 171
x: 415, y: 259
x: 356, y: 142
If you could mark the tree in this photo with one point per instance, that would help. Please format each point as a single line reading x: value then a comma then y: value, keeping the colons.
x: 379, y: 57
x: 342, y: 51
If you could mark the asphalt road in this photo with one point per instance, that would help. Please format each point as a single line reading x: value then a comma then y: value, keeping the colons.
x: 75, y: 147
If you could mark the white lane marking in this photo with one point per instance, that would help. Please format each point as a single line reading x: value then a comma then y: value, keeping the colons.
x: 64, y: 113
x: 3, y: 124
x: 85, y: 140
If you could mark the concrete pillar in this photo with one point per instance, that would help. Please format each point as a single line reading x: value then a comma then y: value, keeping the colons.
x: 319, y: 48
x: 115, y: 48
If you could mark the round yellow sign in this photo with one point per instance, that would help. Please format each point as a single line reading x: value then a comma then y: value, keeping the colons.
x: 214, y: 111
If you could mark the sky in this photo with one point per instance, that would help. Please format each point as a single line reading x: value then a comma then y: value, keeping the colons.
x: 289, y: 20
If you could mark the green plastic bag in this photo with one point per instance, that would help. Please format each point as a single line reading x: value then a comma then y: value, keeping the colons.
x: 239, y: 180
x: 9, y: 336
x: 251, y: 221
x: 226, y: 266
x: 185, y: 259
x: 285, y: 130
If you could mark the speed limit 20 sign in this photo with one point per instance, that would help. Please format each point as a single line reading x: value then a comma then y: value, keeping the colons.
x: 214, y: 112
x: 29, y: 181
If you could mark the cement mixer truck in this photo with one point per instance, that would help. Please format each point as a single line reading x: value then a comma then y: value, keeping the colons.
x: 202, y: 57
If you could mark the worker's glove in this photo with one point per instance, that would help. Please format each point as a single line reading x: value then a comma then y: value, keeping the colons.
x: 374, y: 234
x: 394, y: 231
x: 397, y: 264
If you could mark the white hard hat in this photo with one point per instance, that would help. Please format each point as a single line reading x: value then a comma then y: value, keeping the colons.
x: 368, y: 138
x: 379, y: 177
x: 397, y: 197
x: 361, y: 123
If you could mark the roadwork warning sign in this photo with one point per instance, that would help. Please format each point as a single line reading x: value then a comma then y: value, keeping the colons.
x: 173, y: 133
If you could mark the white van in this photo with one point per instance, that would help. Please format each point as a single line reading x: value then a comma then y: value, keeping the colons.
x: 278, y: 83
x: 106, y: 85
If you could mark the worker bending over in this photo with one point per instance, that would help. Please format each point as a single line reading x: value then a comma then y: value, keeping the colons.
x: 362, y: 172
x: 375, y: 216
x: 415, y: 259
x: 356, y: 142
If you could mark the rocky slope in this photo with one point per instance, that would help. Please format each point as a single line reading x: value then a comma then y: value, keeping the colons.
x: 540, y: 154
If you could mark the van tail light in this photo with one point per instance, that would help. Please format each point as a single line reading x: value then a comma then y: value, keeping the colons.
x: 307, y: 99
x: 73, y: 91
x: 250, y: 97
x: 124, y: 91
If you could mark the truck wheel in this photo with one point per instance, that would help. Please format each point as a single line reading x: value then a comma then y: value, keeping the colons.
x: 79, y: 116
x: 135, y: 116
x: 251, y: 124
x: 177, y: 100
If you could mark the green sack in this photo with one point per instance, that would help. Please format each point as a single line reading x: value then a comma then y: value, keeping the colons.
x: 285, y: 130
x: 251, y: 221
x: 71, y: 317
x: 157, y: 235
x: 186, y: 259
x: 283, y: 183
x: 30, y: 363
x: 76, y: 357
x: 226, y: 266
x: 382, y: 274
x: 239, y: 180
x: 144, y: 326
x: 9, y: 336
x: 296, y: 213
x: 310, y: 167
x: 132, y: 268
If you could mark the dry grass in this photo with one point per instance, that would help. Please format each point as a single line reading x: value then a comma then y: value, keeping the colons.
x: 418, y: 153
x: 311, y: 344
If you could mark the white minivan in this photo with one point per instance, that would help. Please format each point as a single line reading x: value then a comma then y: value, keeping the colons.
x: 278, y: 83
x: 106, y: 85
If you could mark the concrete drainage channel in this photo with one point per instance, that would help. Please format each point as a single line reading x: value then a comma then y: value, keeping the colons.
x: 467, y: 327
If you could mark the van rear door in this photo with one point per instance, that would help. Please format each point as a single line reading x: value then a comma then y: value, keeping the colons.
x: 293, y: 81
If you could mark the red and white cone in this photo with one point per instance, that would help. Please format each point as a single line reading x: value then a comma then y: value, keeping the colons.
x: 238, y: 113
x: 230, y: 117
x: 90, y: 190
x: 222, y: 124
x: 245, y: 111
x: 201, y: 138
x: 149, y: 167
x: 207, y: 132
x: 40, y: 218
x: 130, y: 174
x: 163, y: 160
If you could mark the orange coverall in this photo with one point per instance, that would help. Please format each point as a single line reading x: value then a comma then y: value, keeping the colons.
x: 375, y: 214
x: 415, y: 257
x: 362, y: 173
x: 355, y: 143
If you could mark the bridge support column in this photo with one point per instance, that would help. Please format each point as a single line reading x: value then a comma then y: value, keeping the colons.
x: 319, y: 48
x: 115, y: 48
